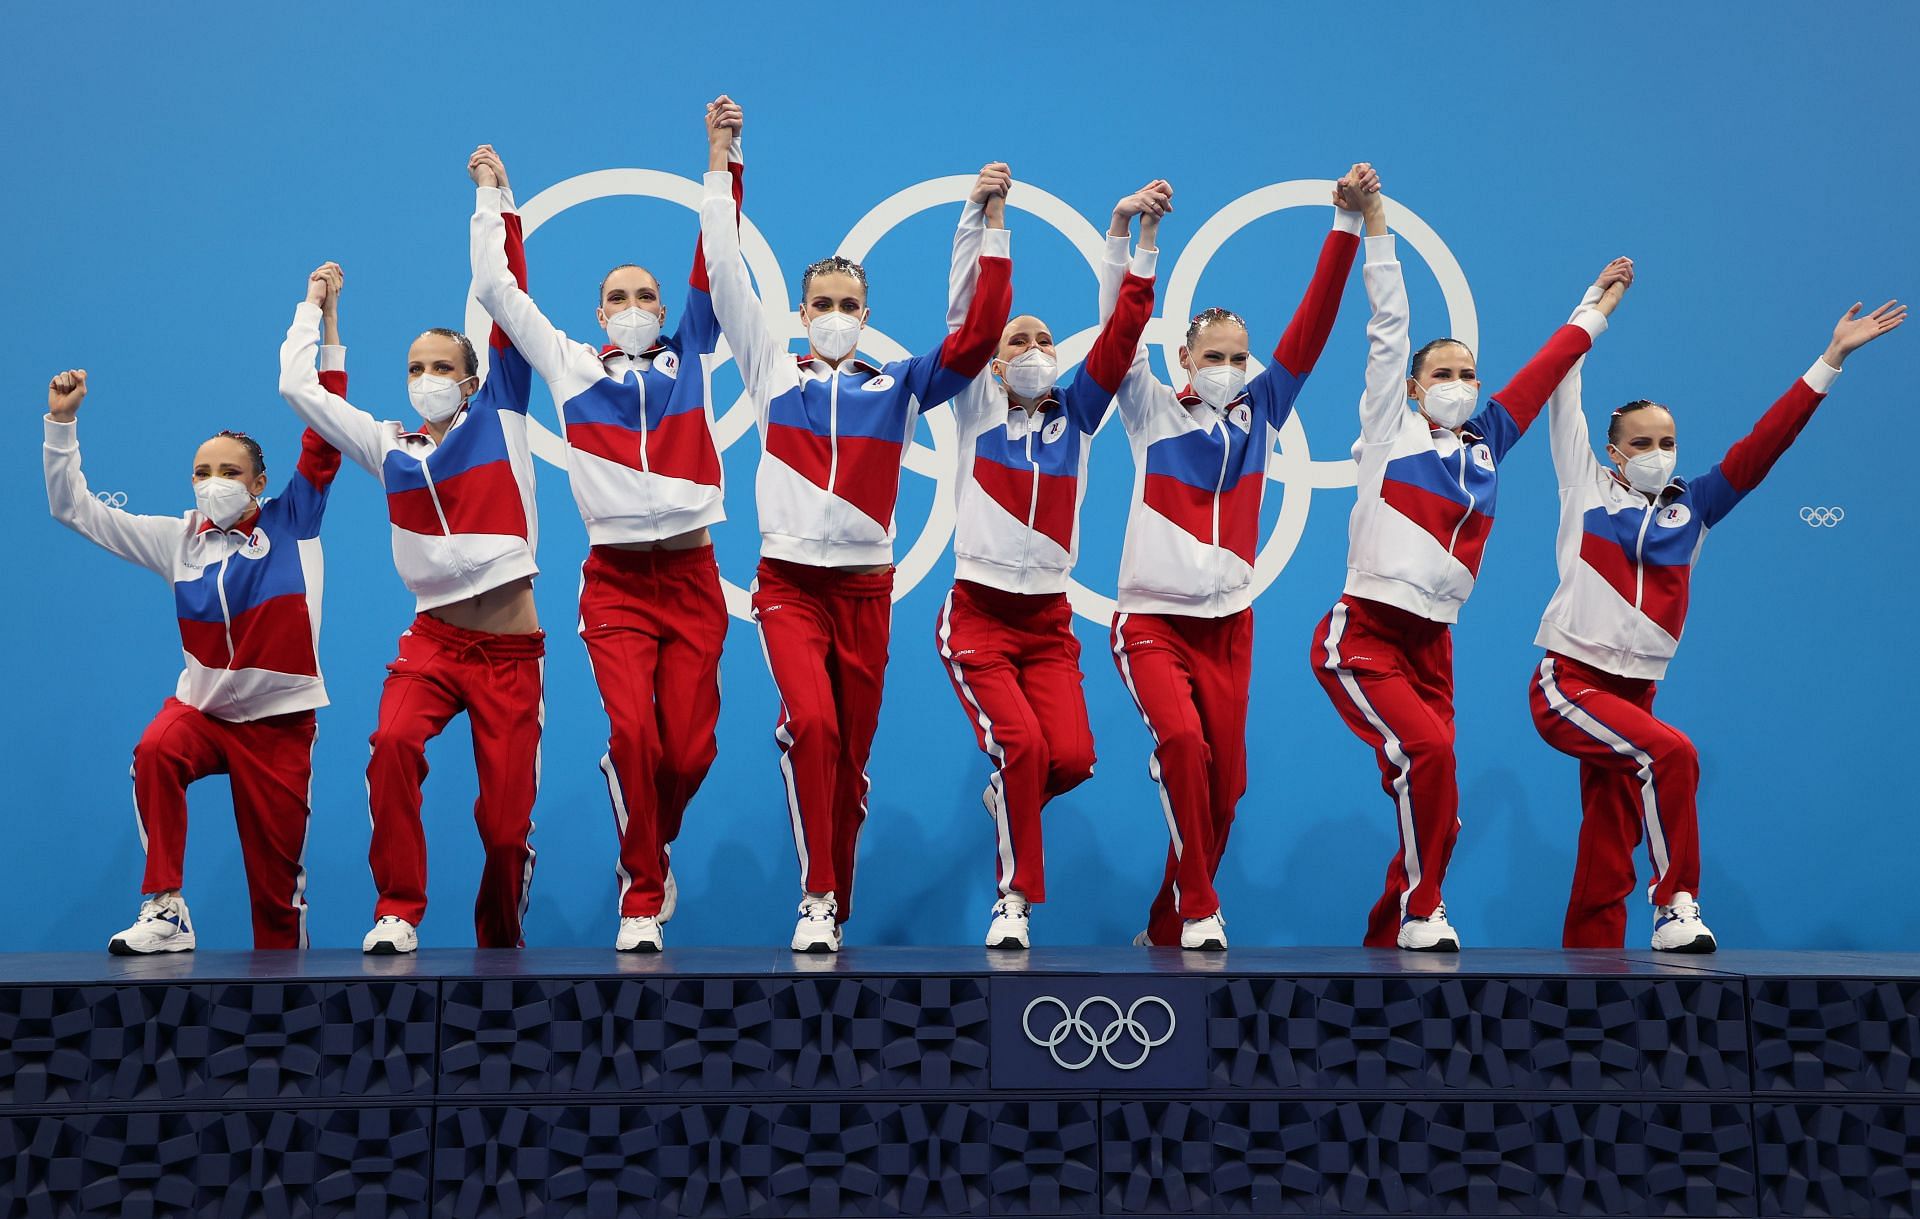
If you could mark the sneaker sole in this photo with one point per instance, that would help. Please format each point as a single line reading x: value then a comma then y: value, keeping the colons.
x: 1701, y: 945
x: 1207, y: 946
x: 817, y: 948
x: 639, y: 948
x: 1009, y: 942
x: 385, y: 950
x: 120, y: 948
x: 1442, y: 946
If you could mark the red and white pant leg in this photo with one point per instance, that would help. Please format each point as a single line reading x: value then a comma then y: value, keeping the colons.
x: 1189, y: 677
x: 440, y: 671
x: 825, y: 634
x: 654, y: 623
x: 270, y: 766
x: 1390, y: 675
x: 1637, y: 775
x: 1015, y: 666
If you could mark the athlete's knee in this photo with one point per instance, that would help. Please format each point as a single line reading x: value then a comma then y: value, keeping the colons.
x: 392, y: 744
x: 685, y: 766
x: 1674, y: 754
x: 811, y: 729
x: 1071, y: 764
x: 1183, y: 744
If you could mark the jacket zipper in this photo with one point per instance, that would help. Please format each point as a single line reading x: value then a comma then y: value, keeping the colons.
x: 1471, y: 501
x: 226, y: 614
x: 1226, y: 452
x: 833, y: 444
x: 1033, y: 498
x: 1639, y: 557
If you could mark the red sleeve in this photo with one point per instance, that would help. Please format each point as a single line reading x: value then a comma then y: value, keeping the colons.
x: 320, y: 461
x: 1748, y: 461
x: 1534, y: 384
x: 517, y: 263
x: 1112, y: 352
x: 1306, y: 336
x: 968, y: 349
x: 698, y: 278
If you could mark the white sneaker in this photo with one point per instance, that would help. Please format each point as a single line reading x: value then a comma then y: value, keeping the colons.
x: 669, y: 897
x: 1009, y: 926
x: 816, y: 931
x: 1140, y: 940
x: 1207, y: 934
x: 163, y: 926
x: 1430, y: 934
x: 639, y: 934
x: 1677, y: 928
x: 391, y: 935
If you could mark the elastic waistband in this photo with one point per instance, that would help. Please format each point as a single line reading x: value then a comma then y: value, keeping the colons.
x: 1393, y: 618
x: 1002, y: 603
x: 652, y: 560
x: 533, y: 644
x: 828, y: 580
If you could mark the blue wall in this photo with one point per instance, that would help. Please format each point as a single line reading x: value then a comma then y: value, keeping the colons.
x: 171, y: 181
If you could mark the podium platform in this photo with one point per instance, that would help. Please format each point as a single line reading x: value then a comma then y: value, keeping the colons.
x: 1085, y: 1081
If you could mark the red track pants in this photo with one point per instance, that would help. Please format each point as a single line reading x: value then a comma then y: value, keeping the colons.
x: 1189, y: 678
x: 825, y: 635
x: 269, y: 763
x: 653, y: 622
x: 1635, y: 773
x: 1390, y: 675
x: 441, y: 671
x: 1015, y: 665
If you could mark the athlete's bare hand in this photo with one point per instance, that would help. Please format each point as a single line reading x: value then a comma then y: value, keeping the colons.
x: 65, y: 392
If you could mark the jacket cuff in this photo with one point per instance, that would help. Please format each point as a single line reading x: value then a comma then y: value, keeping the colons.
x: 61, y: 435
x: 333, y: 357
x: 1145, y: 260
x: 1345, y: 221
x: 996, y: 243
x: 1380, y: 249
x: 719, y: 184
x: 1590, y: 320
x: 1821, y: 376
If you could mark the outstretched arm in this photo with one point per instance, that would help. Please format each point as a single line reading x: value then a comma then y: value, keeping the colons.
x: 938, y: 375
x: 1306, y: 335
x: 1383, y: 403
x: 1753, y: 455
x: 741, y: 318
x: 346, y: 427
x: 1574, y: 464
x: 1512, y: 410
x: 498, y: 255
x: 699, y: 331
x: 1117, y: 348
x: 989, y: 189
x: 1139, y: 395
x: 151, y: 541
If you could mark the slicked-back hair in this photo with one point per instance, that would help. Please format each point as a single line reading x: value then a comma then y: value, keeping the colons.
x: 466, y: 347
x: 1420, y: 357
x: 1615, y: 423
x: 248, y: 443
x: 829, y: 266
x: 601, y: 299
x: 1207, y: 317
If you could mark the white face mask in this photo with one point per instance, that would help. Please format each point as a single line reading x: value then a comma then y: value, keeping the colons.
x: 1649, y: 472
x: 1218, y: 384
x: 436, y: 398
x: 834, y: 335
x: 1450, y: 403
x: 1031, y: 375
x: 633, y: 329
x: 222, y: 500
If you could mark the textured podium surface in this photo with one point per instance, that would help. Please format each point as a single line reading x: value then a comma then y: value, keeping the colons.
x: 960, y: 1081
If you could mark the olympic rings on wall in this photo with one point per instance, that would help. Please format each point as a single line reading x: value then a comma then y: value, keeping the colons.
x: 1292, y: 464
x: 1099, y: 1044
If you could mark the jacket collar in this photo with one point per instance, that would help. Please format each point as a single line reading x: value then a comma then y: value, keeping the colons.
x: 243, y: 526
x: 854, y: 364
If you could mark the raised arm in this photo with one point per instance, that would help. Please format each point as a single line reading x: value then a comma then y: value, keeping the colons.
x: 970, y: 237
x: 151, y: 541
x: 1141, y: 397
x: 1117, y: 348
x: 1305, y: 337
x: 1512, y: 410
x: 699, y: 331
x: 1383, y: 403
x: 742, y: 320
x: 1574, y: 464
x: 498, y: 256
x: 1753, y: 455
x: 936, y: 376
x: 349, y: 429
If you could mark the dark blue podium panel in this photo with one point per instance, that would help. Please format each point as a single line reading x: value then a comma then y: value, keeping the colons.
x: 721, y: 1082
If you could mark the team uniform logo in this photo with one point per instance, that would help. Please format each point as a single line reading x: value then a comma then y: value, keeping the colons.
x: 1054, y: 431
x: 1674, y: 515
x: 257, y: 545
x: 1483, y: 456
x: 881, y: 382
x: 1294, y: 467
x: 667, y: 364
